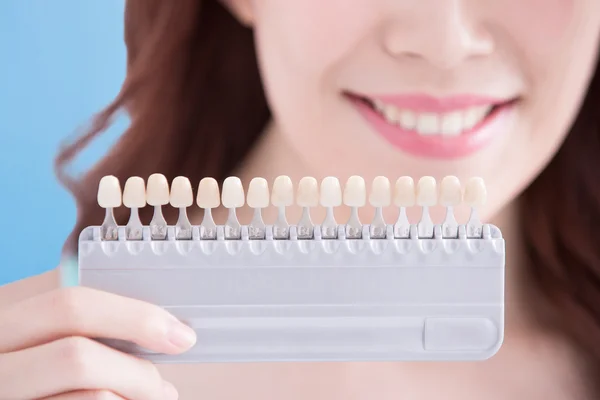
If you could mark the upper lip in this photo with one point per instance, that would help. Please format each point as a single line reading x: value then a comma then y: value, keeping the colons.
x: 425, y: 103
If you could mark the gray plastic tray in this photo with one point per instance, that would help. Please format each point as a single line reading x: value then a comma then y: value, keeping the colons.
x: 313, y: 300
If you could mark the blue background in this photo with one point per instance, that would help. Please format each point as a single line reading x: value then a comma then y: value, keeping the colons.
x: 61, y: 61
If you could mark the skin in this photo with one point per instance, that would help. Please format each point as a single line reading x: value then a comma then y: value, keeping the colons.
x: 541, y: 52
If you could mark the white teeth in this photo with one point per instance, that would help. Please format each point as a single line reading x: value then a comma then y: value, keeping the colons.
x: 355, y: 192
x: 404, y: 192
x: 282, y: 194
x: 258, y: 193
x: 450, y: 192
x: 426, y: 192
x: 427, y: 124
x: 134, y: 193
x: 233, y: 193
x: 391, y: 114
x: 331, y: 192
x: 157, y: 192
x: 109, y: 192
x: 208, y: 194
x: 451, y: 124
x: 380, y: 192
x: 408, y: 120
x: 475, y: 193
x: 308, y: 192
x: 181, y: 193
x: 474, y: 115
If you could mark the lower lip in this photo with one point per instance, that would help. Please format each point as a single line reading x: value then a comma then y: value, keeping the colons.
x: 439, y: 146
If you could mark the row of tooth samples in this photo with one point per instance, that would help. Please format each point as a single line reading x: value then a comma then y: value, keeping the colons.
x: 329, y: 194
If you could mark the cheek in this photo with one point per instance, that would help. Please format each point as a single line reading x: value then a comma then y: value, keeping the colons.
x: 557, y: 40
x: 309, y: 36
x: 537, y: 24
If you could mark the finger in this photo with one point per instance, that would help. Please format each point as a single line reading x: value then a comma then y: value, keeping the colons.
x: 77, y: 363
x: 86, y: 395
x: 86, y: 312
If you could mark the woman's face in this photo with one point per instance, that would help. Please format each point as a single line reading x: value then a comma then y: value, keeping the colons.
x: 427, y: 87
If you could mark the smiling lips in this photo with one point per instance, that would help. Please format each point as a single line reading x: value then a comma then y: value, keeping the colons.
x: 438, y: 128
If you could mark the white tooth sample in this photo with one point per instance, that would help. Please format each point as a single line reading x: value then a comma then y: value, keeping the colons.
x: 355, y: 192
x: 182, y: 197
x: 426, y: 192
x: 404, y: 196
x: 208, y: 197
x: 450, y: 191
x: 307, y: 196
x: 109, y: 192
x: 157, y: 192
x: 331, y: 196
x: 473, y: 115
x: 109, y: 197
x: 232, y: 197
x: 233, y: 193
x: 450, y: 197
x: 134, y: 193
x: 475, y: 192
x: 391, y: 114
x: 308, y: 192
x: 181, y: 193
x: 282, y: 196
x: 208, y: 194
x: 355, y: 196
x: 452, y: 124
x: 331, y: 192
x: 258, y: 193
x: 407, y: 120
x: 134, y: 197
x: 475, y: 197
x: 380, y: 196
x: 257, y: 198
x: 428, y: 124
x: 404, y: 192
x: 157, y: 195
x: 426, y: 197
x: 378, y: 105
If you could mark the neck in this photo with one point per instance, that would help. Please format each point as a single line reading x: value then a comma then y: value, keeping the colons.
x: 516, y: 306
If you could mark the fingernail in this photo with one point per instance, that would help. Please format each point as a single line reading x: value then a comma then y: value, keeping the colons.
x: 181, y: 335
x: 170, y: 391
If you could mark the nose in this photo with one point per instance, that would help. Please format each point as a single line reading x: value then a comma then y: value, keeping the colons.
x: 440, y: 32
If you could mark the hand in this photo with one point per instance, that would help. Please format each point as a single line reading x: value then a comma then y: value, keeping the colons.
x: 46, y: 351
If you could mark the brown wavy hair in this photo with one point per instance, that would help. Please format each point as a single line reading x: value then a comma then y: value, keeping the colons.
x: 197, y: 106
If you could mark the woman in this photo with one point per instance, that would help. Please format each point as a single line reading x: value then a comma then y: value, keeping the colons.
x: 509, y: 91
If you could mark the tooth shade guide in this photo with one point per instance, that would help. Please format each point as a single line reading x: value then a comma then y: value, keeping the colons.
x: 475, y: 196
x: 353, y: 275
x: 109, y: 197
x: 343, y: 214
x: 354, y: 196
